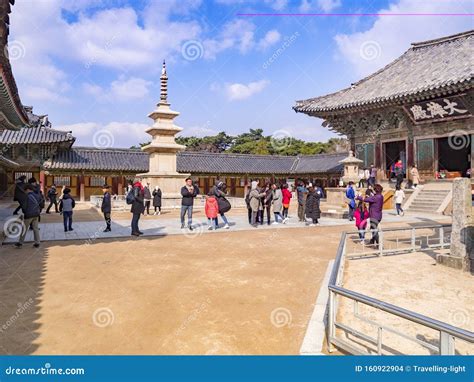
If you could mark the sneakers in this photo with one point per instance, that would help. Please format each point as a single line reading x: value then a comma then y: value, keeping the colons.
x: 18, y: 245
x: 191, y: 228
x: 285, y: 220
x: 107, y: 230
x: 182, y: 226
x: 209, y: 228
x: 36, y: 245
x: 312, y: 225
x: 226, y: 226
x: 275, y: 223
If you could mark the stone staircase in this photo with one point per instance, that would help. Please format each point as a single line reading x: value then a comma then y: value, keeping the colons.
x: 429, y: 200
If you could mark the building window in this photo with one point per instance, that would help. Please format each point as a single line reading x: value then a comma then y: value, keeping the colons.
x: 62, y: 181
x: 97, y: 181
x: 45, y: 151
x: 27, y: 174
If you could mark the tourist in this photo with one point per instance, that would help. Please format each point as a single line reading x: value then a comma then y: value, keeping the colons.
x: 147, y: 199
x: 106, y: 207
x: 350, y: 195
x: 249, y: 208
x: 277, y: 198
x: 262, y: 193
x: 361, y: 215
x: 375, y: 211
x: 188, y: 192
x: 286, y: 201
x: 222, y: 202
x: 39, y: 195
x: 52, y: 197
x: 211, y: 209
x: 135, y: 197
x: 19, y: 194
x: 398, y: 170
x: 312, y: 209
x: 66, y: 206
x: 399, y: 196
x: 415, y: 176
x: 373, y: 175
x: 361, y: 176
x: 31, y: 212
x: 254, y: 201
x: 266, y: 204
x: 129, y: 186
x: 301, y: 193
x: 157, y: 200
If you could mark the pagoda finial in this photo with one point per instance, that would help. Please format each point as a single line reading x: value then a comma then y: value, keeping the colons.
x: 164, y: 85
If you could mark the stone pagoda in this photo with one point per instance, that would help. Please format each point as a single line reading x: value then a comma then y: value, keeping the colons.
x: 163, y: 147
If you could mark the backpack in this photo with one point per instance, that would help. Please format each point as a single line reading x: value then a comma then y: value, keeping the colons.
x: 224, y: 205
x: 130, y: 197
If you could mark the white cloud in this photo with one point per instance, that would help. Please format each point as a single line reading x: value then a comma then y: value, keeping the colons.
x: 238, y: 91
x: 125, y: 134
x: 270, y: 38
x: 324, y: 5
x: 277, y: 5
x: 199, y: 131
x: 122, y: 89
x: 391, y: 36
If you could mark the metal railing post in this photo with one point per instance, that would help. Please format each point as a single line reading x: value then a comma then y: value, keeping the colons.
x: 379, y: 340
x: 446, y: 344
x: 331, y: 321
x: 380, y: 233
x: 413, y: 240
x: 441, y: 237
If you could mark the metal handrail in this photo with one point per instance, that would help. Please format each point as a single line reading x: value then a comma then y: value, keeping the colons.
x: 446, y: 330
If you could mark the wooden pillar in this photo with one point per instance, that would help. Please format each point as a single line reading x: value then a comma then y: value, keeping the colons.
x: 121, y: 181
x: 82, y: 191
x: 42, y: 181
x: 246, y: 184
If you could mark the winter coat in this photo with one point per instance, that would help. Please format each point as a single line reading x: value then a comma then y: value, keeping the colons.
x: 399, y: 196
x: 106, y: 206
x: 277, y: 200
x: 67, y: 203
x: 415, y: 176
x: 375, y: 206
x: 188, y: 197
x: 254, y: 197
x: 146, y: 193
x: 31, y: 205
x: 137, y: 205
x: 301, y: 192
x: 286, y: 196
x: 19, y: 195
x: 350, y: 194
x: 361, y: 218
x: 156, y: 198
x: 52, y: 194
x: 267, y: 199
x: 211, y: 207
x: 312, y: 210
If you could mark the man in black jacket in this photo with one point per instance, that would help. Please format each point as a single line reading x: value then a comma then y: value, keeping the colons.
x: 52, y: 197
x: 19, y: 195
x: 189, y: 192
x: 137, y: 207
x: 31, y: 212
x: 106, y: 207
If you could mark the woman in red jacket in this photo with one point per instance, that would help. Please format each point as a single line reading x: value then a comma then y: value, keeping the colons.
x: 211, y: 208
x: 361, y: 216
x: 286, y: 201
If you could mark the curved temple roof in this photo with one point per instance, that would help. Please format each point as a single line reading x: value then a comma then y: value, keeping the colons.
x: 430, y: 68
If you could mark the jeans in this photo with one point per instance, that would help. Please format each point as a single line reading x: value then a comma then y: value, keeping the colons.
x: 189, y: 211
x: 351, y: 213
x: 253, y: 220
x: 147, y: 207
x: 224, y: 219
x: 399, y: 208
x: 67, y: 220
x: 34, y: 223
x: 278, y: 217
x: 212, y: 220
x: 301, y: 212
x: 135, y: 219
x: 107, y: 219
x: 372, y: 181
x: 374, y: 224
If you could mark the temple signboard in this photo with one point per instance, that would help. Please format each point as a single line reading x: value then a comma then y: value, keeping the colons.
x: 445, y: 108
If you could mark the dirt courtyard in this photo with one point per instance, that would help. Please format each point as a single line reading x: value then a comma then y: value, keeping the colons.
x: 246, y: 292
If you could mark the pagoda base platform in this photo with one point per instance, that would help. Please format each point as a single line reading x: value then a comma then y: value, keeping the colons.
x: 169, y: 183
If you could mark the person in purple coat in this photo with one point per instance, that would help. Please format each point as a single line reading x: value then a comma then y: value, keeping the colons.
x: 375, y: 211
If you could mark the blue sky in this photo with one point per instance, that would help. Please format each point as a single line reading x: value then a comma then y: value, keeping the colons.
x: 94, y: 66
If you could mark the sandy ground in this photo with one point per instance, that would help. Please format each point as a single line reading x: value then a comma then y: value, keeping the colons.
x: 235, y: 293
x: 413, y: 281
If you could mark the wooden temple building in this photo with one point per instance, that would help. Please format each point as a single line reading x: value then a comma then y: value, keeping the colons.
x: 419, y: 108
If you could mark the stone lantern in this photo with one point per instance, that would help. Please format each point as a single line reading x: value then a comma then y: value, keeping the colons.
x: 351, y: 168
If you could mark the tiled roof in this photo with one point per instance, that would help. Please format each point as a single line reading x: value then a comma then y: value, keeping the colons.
x: 427, y: 69
x: 8, y: 162
x: 10, y: 104
x: 35, y: 135
x: 97, y: 159
x: 131, y: 160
